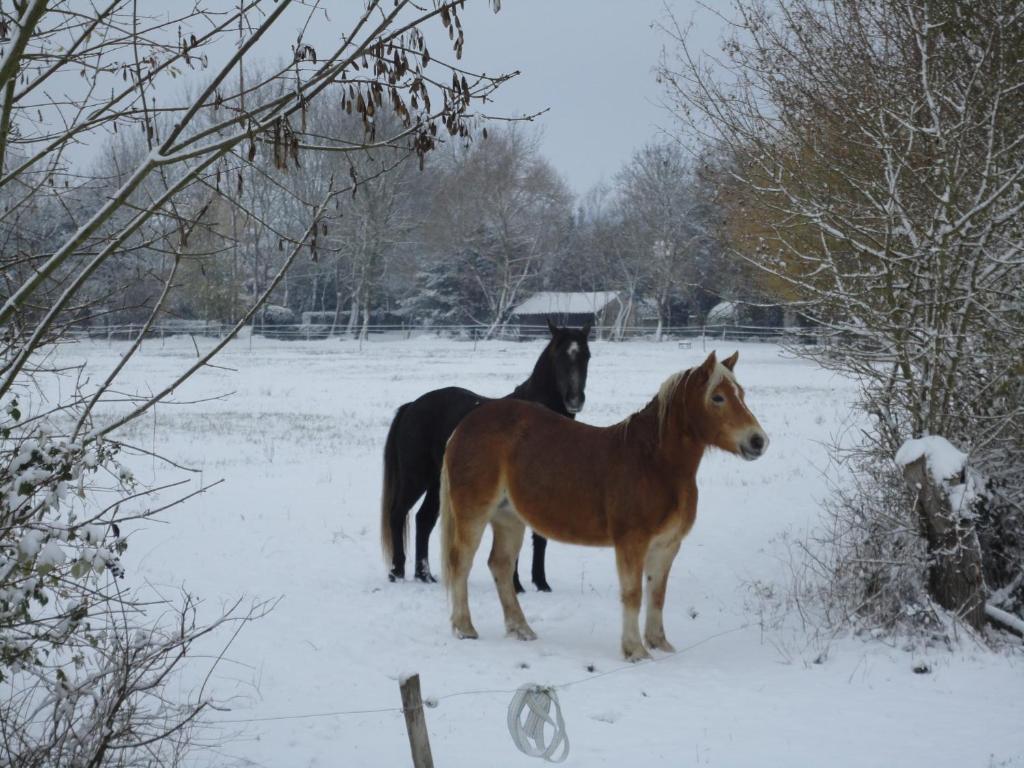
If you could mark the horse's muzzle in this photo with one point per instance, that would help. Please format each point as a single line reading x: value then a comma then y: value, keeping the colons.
x: 574, y: 406
x: 754, y: 446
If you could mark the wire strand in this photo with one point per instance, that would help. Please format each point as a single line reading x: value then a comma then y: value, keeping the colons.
x: 431, y: 701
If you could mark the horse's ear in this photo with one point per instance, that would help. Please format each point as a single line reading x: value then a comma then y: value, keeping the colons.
x: 585, y: 330
x: 552, y: 327
x: 704, y: 372
x: 730, y: 361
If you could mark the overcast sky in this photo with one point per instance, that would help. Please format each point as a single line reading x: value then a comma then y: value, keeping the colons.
x: 590, y: 61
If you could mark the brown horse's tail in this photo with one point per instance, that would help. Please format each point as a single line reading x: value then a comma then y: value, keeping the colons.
x: 387, y: 497
x: 449, y: 544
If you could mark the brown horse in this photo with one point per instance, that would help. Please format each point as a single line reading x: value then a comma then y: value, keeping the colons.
x: 631, y: 486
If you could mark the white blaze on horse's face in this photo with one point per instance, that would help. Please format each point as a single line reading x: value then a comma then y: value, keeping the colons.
x: 570, y: 355
x: 578, y: 378
x: 740, y: 432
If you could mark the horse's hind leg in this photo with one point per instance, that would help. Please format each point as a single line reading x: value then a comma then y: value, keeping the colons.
x: 426, y: 519
x: 508, y: 540
x: 465, y: 541
x: 659, y: 560
x: 629, y: 557
x: 406, y: 496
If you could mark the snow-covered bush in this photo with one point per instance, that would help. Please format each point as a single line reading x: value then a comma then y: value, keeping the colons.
x: 84, y: 662
x: 869, y: 560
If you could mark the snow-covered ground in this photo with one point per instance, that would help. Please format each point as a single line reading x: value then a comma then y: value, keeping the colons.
x: 299, y: 442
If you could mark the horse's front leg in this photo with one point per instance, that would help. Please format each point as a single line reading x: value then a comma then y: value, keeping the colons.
x: 517, y: 585
x: 629, y: 557
x: 540, y: 546
x: 537, y: 574
x: 659, y: 560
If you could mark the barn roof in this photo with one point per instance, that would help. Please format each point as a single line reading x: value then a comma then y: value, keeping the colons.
x: 555, y: 303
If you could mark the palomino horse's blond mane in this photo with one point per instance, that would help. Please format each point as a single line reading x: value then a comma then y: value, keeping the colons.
x: 663, y: 399
x: 667, y: 391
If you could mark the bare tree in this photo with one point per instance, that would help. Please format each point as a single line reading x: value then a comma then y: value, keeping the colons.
x: 83, y: 663
x: 500, y: 210
x: 663, y: 219
x: 378, y: 220
x: 603, y: 254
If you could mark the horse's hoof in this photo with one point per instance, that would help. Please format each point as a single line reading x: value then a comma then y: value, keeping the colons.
x: 542, y: 586
x: 518, y: 586
x: 636, y: 654
x: 660, y: 644
x: 426, y: 578
x: 466, y: 634
x: 522, y: 633
x: 394, y: 576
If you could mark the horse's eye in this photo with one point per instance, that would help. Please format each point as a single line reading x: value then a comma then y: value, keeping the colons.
x: 717, y: 399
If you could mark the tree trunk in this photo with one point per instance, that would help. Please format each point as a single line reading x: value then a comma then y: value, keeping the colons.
x: 353, y: 315
x: 954, y: 570
x: 337, y: 313
x: 622, y: 318
x: 323, y: 296
x: 364, y: 332
x: 337, y: 297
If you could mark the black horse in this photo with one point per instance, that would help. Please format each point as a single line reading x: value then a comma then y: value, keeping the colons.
x: 420, y: 430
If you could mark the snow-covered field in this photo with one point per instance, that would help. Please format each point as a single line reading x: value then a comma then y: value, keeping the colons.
x: 299, y: 442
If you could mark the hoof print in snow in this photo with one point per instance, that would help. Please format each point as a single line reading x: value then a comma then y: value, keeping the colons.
x: 591, y: 668
x: 523, y: 665
x: 922, y: 668
x: 605, y: 717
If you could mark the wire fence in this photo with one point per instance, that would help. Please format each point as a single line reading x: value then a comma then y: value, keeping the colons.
x: 432, y: 702
x: 531, y: 737
x: 323, y: 332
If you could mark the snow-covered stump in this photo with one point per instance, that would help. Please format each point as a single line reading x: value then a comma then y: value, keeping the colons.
x: 937, y: 474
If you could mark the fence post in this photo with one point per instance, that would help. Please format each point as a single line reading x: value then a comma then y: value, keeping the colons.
x: 415, y: 721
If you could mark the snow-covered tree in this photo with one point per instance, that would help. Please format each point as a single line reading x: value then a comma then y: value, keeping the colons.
x: 85, y: 663
x: 502, y: 201
x: 665, y: 224
x: 875, y: 176
x: 447, y: 291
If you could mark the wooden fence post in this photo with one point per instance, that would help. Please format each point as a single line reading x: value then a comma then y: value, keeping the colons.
x: 415, y: 722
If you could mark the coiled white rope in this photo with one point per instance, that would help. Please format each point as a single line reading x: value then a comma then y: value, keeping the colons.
x: 529, y: 737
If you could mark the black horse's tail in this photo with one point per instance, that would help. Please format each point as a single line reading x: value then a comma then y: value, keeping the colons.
x: 387, y: 497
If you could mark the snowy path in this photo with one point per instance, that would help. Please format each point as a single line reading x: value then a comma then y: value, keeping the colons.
x: 299, y: 444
